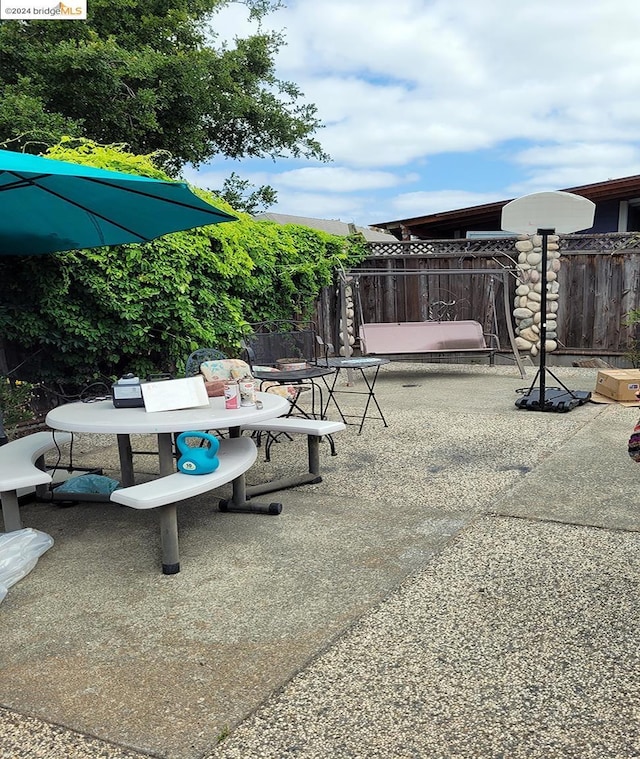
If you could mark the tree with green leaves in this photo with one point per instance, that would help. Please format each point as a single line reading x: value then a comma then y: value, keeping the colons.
x: 149, y: 74
x: 241, y: 195
x: 77, y: 315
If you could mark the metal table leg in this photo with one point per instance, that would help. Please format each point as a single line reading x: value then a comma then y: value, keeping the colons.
x: 126, y: 460
x: 239, y: 501
x: 169, y: 512
x: 369, y: 392
x: 371, y: 397
x: 331, y: 390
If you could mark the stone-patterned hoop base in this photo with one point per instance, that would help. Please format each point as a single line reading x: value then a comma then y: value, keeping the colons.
x: 528, y: 299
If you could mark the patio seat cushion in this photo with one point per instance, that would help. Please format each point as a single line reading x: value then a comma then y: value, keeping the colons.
x: 218, y: 371
x: 225, y: 369
x: 290, y: 392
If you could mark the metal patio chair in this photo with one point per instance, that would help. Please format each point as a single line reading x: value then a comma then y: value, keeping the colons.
x: 273, y: 344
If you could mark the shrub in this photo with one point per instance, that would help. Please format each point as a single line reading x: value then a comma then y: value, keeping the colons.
x: 82, y: 315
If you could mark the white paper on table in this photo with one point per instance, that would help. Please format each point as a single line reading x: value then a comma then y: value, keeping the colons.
x: 171, y: 395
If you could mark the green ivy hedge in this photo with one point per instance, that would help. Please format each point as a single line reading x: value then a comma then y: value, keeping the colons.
x: 79, y: 315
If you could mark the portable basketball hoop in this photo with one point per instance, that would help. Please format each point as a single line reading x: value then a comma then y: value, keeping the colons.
x: 548, y: 213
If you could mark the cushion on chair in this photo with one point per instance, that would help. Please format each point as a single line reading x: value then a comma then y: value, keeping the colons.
x: 217, y: 372
x: 225, y: 369
x: 215, y: 388
x: 290, y: 392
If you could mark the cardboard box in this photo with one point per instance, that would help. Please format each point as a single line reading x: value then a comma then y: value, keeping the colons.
x: 619, y: 384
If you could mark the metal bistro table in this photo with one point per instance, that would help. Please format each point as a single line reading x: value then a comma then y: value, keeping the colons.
x: 103, y: 418
x: 303, y: 378
x: 359, y: 363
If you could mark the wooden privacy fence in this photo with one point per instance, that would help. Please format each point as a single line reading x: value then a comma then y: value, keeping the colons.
x: 599, y: 284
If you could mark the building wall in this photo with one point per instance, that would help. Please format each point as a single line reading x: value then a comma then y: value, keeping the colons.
x: 606, y: 217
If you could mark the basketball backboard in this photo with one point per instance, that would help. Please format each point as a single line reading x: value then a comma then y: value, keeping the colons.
x: 560, y: 212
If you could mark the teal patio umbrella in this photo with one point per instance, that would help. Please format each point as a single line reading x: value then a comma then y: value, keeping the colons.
x: 48, y: 206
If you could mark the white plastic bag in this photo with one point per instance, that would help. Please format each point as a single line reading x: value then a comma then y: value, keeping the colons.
x: 19, y: 553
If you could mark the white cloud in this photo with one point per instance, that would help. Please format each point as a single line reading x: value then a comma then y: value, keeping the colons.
x: 320, y: 206
x: 554, y: 167
x: 552, y: 84
x: 411, y: 204
x: 232, y: 21
x: 579, y: 155
x: 402, y: 40
x: 337, y: 179
x: 375, y: 126
x: 340, y: 179
x: 422, y: 78
x: 205, y: 178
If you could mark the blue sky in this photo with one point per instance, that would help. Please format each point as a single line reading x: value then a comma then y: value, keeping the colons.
x: 430, y: 105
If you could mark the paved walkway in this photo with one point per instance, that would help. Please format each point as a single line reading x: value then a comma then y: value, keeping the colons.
x: 462, y: 584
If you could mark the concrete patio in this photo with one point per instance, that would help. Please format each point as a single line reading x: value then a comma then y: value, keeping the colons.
x: 463, y: 584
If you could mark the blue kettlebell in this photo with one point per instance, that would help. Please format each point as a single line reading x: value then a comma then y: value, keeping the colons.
x: 202, y: 460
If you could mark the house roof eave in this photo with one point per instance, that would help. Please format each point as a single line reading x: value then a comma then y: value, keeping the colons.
x: 612, y: 189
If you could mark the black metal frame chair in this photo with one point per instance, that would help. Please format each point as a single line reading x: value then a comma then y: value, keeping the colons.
x: 192, y: 369
x: 192, y: 365
x: 271, y: 341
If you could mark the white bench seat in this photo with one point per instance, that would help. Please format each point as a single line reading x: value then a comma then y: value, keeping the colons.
x: 236, y: 455
x: 22, y: 466
x: 314, y: 429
